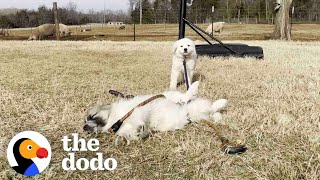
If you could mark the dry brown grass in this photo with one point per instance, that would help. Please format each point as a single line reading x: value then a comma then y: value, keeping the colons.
x: 169, y: 32
x: 274, y: 107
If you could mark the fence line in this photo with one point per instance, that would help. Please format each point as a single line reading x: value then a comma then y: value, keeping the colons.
x: 248, y: 15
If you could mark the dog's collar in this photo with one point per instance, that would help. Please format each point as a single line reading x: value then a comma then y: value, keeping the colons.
x: 116, y: 126
x: 185, y: 57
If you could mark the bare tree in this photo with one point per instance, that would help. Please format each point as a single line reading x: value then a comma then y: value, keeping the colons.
x: 72, y: 14
x: 282, y: 20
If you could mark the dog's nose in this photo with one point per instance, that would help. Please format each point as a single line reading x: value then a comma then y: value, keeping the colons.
x: 87, y: 128
x: 185, y: 49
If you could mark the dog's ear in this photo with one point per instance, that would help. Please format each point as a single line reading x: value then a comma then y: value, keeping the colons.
x: 194, y: 49
x: 191, y: 42
x: 175, y: 46
x: 97, y: 109
x: 193, y: 45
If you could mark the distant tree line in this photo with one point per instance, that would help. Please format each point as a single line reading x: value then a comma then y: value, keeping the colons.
x: 165, y: 11
x: 67, y: 15
x: 160, y: 11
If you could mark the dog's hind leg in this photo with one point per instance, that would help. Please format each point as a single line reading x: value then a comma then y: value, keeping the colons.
x: 199, y: 109
x: 219, y: 105
x: 217, y: 116
x: 174, y: 79
x: 190, y: 75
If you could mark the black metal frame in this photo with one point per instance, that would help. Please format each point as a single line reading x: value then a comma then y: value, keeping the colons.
x: 182, y: 27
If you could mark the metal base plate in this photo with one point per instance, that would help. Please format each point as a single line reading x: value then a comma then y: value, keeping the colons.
x: 216, y: 50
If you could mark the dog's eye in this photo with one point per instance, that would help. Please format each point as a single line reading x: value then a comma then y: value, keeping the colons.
x: 181, y: 46
x: 188, y: 45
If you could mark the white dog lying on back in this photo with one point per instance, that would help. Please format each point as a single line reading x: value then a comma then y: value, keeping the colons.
x: 170, y: 113
x: 183, y: 49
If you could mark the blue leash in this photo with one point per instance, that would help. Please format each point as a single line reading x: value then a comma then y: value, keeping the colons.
x: 185, y: 72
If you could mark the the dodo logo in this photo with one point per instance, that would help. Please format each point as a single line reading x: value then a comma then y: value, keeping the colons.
x: 29, y: 153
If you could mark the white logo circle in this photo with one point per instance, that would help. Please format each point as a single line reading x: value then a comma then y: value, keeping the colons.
x: 29, y: 153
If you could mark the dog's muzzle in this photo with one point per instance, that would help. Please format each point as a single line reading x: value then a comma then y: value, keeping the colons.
x: 185, y: 50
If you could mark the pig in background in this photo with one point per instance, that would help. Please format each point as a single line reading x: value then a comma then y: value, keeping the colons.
x: 216, y: 27
x: 46, y: 30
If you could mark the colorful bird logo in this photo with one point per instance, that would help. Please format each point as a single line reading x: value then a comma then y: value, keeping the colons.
x: 26, y: 156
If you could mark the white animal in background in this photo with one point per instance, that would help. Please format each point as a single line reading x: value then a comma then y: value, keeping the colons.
x: 4, y: 32
x: 46, y: 30
x: 64, y: 30
x: 217, y: 27
x: 169, y: 113
x: 183, y: 49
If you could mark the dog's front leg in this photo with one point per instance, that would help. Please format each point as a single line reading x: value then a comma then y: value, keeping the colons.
x: 120, y: 138
x: 190, y: 75
x: 174, y: 79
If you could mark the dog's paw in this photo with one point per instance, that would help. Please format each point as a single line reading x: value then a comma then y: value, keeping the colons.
x: 128, y: 141
x: 217, y: 117
x: 121, y: 138
x: 192, y: 93
x: 219, y: 105
x: 117, y: 141
x: 194, y: 88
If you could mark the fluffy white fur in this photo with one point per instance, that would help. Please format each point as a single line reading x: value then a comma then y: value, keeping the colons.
x: 183, y: 49
x: 173, y: 112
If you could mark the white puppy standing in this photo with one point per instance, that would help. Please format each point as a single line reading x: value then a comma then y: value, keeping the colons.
x: 183, y: 49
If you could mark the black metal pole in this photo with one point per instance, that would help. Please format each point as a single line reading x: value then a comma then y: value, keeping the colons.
x: 134, y: 32
x: 195, y: 30
x: 182, y: 25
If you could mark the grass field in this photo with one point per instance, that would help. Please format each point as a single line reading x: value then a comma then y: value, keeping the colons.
x: 169, y: 32
x: 46, y: 86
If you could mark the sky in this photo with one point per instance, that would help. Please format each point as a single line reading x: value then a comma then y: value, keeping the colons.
x: 84, y: 5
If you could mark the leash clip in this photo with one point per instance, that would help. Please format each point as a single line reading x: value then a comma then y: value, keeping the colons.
x: 116, y: 126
